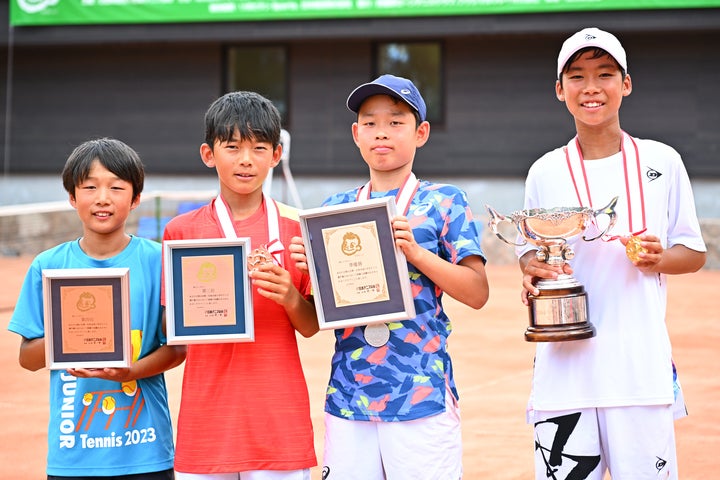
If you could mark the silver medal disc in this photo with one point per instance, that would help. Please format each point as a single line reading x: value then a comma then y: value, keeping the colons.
x: 377, y: 334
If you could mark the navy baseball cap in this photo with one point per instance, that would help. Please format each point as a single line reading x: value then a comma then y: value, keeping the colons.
x: 397, y: 87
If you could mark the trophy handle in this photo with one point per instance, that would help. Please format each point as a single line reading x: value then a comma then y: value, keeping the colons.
x: 495, y: 219
x: 608, y: 210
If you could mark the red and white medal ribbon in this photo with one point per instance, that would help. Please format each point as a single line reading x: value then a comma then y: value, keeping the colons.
x: 274, y: 245
x: 633, y: 183
x: 402, y: 199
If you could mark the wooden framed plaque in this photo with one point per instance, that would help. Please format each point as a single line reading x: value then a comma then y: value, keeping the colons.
x: 359, y: 276
x: 87, y: 318
x: 208, y: 298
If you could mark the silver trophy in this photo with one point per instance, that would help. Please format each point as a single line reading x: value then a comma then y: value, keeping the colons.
x: 559, y: 311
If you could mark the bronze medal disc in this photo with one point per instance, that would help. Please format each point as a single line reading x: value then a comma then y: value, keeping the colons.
x: 259, y: 256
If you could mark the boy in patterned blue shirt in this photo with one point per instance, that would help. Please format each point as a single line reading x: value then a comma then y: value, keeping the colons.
x: 391, y: 405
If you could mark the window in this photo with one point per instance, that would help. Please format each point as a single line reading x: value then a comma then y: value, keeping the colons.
x: 262, y: 70
x: 421, y: 62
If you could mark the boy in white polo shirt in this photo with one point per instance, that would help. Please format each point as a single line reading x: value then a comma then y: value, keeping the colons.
x: 608, y: 403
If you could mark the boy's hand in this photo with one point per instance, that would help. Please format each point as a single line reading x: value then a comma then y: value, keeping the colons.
x: 274, y: 282
x: 112, y: 374
x: 534, y: 270
x: 297, y: 254
x: 652, y: 254
x: 404, y: 238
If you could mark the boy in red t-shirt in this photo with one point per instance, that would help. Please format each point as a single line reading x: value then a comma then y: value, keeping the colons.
x: 245, y: 411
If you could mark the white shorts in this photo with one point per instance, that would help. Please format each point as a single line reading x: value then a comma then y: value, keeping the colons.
x: 428, y: 448
x: 251, y: 475
x: 631, y: 443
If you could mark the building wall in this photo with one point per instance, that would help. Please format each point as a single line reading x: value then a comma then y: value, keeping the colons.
x: 150, y: 87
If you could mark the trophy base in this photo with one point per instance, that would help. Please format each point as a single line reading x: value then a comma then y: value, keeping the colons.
x: 559, y: 312
x: 563, y: 333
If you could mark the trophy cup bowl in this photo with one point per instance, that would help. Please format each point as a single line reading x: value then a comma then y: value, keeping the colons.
x: 559, y: 311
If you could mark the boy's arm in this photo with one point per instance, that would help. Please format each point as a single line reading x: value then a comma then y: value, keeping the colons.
x: 159, y: 361
x: 465, y: 281
x: 275, y: 283
x: 32, y: 353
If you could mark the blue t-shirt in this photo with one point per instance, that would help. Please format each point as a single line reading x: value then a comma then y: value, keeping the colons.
x: 406, y: 378
x: 86, y: 437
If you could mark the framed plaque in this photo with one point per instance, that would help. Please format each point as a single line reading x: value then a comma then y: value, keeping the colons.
x: 208, y: 298
x: 359, y: 276
x: 87, y: 318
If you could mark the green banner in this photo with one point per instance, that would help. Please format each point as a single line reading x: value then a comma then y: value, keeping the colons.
x: 83, y: 12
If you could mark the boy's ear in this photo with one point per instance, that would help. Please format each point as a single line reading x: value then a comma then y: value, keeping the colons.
x: 559, y: 91
x: 277, y: 155
x: 422, y: 134
x: 72, y: 200
x: 206, y: 154
x: 354, y: 129
x: 627, y: 85
x: 135, y: 202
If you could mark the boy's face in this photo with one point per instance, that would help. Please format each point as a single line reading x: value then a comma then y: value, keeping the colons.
x: 242, y: 165
x: 386, y: 135
x: 103, y: 201
x: 593, y: 89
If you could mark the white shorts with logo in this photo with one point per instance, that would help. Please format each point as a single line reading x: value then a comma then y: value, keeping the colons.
x: 251, y: 475
x: 631, y: 443
x: 428, y: 448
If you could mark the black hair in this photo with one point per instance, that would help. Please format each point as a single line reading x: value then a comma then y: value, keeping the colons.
x: 116, y: 156
x: 597, y: 52
x: 253, y: 116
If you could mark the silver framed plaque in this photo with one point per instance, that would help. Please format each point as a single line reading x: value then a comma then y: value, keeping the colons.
x: 208, y: 295
x: 359, y: 276
x: 87, y: 318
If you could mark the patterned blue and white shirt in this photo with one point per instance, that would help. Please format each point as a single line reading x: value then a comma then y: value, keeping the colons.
x: 406, y: 378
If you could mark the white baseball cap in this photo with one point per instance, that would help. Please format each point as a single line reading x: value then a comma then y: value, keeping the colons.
x: 591, y: 37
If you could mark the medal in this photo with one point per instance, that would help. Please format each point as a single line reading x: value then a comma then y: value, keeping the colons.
x: 377, y: 334
x: 633, y: 248
x: 259, y: 256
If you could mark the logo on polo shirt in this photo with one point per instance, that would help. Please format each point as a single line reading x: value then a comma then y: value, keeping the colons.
x: 652, y: 174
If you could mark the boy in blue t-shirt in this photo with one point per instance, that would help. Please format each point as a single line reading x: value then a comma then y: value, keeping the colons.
x: 391, y: 405
x: 86, y: 438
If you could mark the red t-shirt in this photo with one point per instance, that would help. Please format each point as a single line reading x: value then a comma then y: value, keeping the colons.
x: 245, y: 406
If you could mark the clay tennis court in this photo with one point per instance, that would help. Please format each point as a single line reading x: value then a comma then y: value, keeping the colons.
x: 493, y: 369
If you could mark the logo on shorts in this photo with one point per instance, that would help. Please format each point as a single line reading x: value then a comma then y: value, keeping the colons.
x: 552, y: 436
x: 660, y: 464
x: 325, y: 472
